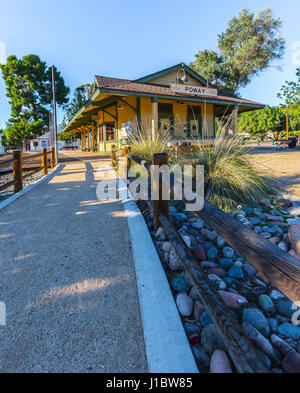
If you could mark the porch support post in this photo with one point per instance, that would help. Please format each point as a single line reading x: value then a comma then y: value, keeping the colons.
x: 138, y: 111
x: 93, y: 138
x: 235, y: 120
x: 88, y: 140
x: 154, y: 119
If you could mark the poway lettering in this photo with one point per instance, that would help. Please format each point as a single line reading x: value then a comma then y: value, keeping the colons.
x: 188, y: 89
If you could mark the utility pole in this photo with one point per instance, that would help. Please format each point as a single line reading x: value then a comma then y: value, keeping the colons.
x: 287, y: 126
x: 54, y: 117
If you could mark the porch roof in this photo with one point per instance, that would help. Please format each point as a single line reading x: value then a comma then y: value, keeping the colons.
x: 144, y: 87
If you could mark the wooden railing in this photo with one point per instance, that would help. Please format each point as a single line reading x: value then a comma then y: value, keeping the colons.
x: 17, y: 162
x: 279, y: 267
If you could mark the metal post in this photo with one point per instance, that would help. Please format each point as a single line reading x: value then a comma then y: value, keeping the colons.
x: 54, y: 117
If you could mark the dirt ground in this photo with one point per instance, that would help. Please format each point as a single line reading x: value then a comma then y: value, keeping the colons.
x: 281, y: 164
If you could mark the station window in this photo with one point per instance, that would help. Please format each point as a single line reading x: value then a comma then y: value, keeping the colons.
x: 110, y: 131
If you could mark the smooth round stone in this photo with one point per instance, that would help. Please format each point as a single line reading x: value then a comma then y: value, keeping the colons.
x: 238, y: 263
x: 275, y: 230
x: 207, y: 245
x: 226, y: 263
x: 198, y: 310
x: 232, y: 300
x: 180, y: 217
x: 211, y: 340
x: 236, y: 272
x: 257, y: 229
x: 240, y: 212
x: 175, y: 263
x: 191, y: 328
x: 199, y: 253
x: 220, y: 242
x: 208, y: 265
x: 199, y: 224
x: 185, y: 304
x: 228, y: 252
x: 258, y: 339
x: 172, y: 210
x: 285, y: 307
x: 201, y: 358
x: 273, y: 323
x: 247, y: 210
x: 205, y: 319
x: 266, y: 304
x: 167, y: 247
x: 219, y: 363
x: 257, y: 319
x: 228, y: 280
x: 263, y: 278
x: 160, y: 234
x: 275, y: 239
x: 217, y: 271
x: 289, y: 330
x: 212, y: 253
x: 180, y: 285
x: 285, y: 203
x: 218, y: 282
x: 283, y: 246
x: 195, y: 339
x: 212, y: 235
x: 276, y: 295
x: 194, y: 294
x: 187, y: 240
x: 281, y: 345
x: 255, y: 220
x: 249, y: 269
x: 291, y: 363
x: 266, y: 235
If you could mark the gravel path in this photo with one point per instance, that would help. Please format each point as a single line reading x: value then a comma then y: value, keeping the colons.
x: 67, y: 278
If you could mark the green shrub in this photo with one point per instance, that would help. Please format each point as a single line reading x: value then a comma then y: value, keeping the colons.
x: 230, y: 176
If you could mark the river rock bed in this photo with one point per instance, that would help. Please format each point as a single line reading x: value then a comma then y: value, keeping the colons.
x: 264, y: 313
x: 10, y: 191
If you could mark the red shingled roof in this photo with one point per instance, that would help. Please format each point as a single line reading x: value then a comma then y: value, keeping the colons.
x: 125, y: 85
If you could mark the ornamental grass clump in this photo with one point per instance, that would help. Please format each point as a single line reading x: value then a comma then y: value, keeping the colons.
x: 143, y: 144
x: 230, y: 176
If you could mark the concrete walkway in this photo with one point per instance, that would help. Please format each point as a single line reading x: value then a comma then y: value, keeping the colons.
x: 67, y: 278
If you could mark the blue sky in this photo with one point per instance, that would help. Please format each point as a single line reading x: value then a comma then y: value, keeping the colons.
x: 132, y: 38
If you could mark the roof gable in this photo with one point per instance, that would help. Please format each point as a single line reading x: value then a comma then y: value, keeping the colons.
x: 160, y: 76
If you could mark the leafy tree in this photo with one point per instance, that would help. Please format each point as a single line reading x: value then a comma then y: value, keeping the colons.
x: 29, y: 89
x: 290, y: 91
x: 246, y: 48
x: 80, y: 97
x: 290, y: 94
x: 259, y: 123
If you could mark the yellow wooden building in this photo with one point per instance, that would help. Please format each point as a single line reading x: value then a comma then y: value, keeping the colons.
x: 176, y: 100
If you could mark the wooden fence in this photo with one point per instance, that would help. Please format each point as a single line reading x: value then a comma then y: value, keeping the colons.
x: 17, y: 162
x: 279, y: 267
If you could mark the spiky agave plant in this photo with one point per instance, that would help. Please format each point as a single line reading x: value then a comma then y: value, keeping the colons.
x: 230, y: 175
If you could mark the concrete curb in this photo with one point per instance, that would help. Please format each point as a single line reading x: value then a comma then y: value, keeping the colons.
x: 14, y: 197
x: 167, y: 346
